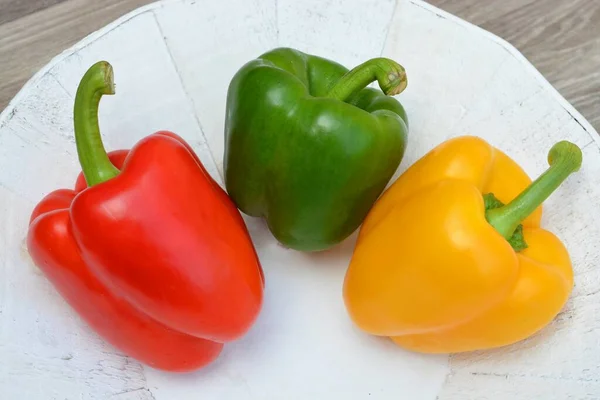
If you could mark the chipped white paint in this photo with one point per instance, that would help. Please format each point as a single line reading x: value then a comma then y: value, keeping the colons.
x: 173, y: 61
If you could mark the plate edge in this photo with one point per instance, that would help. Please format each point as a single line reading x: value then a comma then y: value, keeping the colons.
x: 7, y: 113
x: 516, y: 53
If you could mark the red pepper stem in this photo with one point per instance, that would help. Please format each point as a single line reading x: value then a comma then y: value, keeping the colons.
x: 390, y: 75
x: 96, y: 82
x: 564, y: 159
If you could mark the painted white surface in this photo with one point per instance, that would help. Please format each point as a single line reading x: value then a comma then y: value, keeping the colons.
x: 149, y: 94
x: 173, y: 61
x: 46, y: 350
x: 347, y: 32
x: 208, y: 42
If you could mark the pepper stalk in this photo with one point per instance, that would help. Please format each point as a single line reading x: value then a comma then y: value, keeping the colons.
x: 95, y: 164
x: 564, y: 159
x: 390, y: 76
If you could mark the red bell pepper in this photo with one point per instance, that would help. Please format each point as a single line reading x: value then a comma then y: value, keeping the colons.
x: 153, y: 255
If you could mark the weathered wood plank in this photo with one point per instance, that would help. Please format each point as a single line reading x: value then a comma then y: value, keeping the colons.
x: 561, y: 38
x: 558, y: 37
x: 11, y: 10
x: 26, y: 44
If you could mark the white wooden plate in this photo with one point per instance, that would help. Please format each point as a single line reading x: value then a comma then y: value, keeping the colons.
x: 173, y: 61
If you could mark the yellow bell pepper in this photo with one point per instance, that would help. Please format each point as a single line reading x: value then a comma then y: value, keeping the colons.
x: 441, y: 265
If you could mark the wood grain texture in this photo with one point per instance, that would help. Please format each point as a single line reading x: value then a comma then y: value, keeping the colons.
x: 561, y: 38
x: 29, y: 42
x: 302, y: 335
x: 15, y: 9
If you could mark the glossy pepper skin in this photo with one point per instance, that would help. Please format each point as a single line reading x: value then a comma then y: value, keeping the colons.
x: 308, y: 147
x: 441, y: 265
x: 152, y: 255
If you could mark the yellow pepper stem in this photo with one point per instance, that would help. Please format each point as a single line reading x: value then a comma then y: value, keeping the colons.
x: 564, y: 159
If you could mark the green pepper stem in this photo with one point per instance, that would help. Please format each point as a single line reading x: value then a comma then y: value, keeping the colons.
x: 390, y: 75
x: 95, y: 164
x: 564, y: 159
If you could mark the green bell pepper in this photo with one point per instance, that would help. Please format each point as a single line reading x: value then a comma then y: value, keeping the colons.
x: 308, y: 146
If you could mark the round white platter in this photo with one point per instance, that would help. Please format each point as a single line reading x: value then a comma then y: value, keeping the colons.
x: 173, y: 61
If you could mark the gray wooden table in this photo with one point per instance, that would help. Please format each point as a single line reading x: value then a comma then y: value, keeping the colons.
x: 560, y: 37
